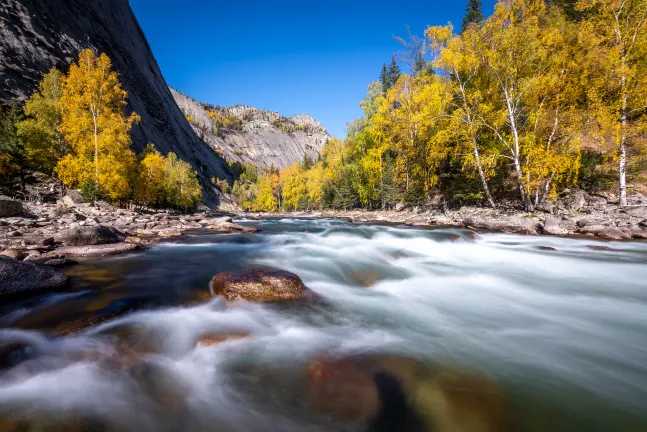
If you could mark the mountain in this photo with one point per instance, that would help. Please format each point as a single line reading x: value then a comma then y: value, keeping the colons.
x: 36, y: 35
x: 250, y: 135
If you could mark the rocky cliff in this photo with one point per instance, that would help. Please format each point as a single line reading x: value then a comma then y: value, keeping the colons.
x: 249, y: 135
x: 36, y: 35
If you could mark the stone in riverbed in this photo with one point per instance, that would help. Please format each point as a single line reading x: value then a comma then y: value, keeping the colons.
x: 102, y: 250
x: 19, y: 278
x: 398, y: 393
x: 10, y: 207
x: 260, y: 286
x: 553, y: 226
x: 89, y: 235
x: 227, y: 227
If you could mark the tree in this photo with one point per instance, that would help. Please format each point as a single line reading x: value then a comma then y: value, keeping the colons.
x: 98, y: 131
x: 414, y: 52
x: 616, y: 33
x: 41, y: 131
x: 473, y: 14
x: 393, y: 73
x: 151, y: 183
x: 182, y: 189
x: 384, y: 79
x: 13, y: 155
x: 265, y: 199
x: 462, y: 64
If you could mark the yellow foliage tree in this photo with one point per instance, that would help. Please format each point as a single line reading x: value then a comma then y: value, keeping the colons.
x: 614, y: 34
x: 265, y: 199
x: 152, y: 177
x: 97, y: 129
x: 41, y: 130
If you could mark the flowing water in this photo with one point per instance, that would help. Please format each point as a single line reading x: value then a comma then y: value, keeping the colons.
x: 558, y: 326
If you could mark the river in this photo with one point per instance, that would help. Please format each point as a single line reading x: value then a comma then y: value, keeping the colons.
x: 558, y: 326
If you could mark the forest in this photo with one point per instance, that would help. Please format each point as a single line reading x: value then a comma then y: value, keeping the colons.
x: 74, y: 128
x: 510, y: 109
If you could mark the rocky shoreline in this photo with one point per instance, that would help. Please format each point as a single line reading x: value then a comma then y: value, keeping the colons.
x: 578, y: 214
x: 36, y: 238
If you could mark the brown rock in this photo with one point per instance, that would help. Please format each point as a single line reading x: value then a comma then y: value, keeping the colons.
x: 260, y: 286
x: 98, y: 250
x: 227, y: 227
x: 211, y: 339
x: 11, y: 253
x: 425, y: 398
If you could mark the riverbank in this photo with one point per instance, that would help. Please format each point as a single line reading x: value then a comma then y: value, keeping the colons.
x: 579, y: 214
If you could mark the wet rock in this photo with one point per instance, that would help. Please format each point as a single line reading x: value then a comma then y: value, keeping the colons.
x: 19, y: 278
x: 366, y: 278
x: 398, y: 393
x: 100, y: 250
x: 260, y: 286
x: 59, y: 262
x: 89, y: 235
x: 545, y: 248
x: 211, y: 339
x: 10, y: 207
x: 553, y: 226
x: 599, y: 248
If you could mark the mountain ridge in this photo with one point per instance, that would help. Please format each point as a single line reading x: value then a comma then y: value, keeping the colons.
x: 246, y: 134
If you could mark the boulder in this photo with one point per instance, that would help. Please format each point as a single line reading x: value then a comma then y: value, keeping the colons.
x: 614, y: 234
x: 73, y: 198
x: 399, y: 207
x: 19, y: 278
x: 11, y: 253
x: 260, y: 286
x: 10, y: 207
x: 101, y: 250
x: 227, y: 227
x: 508, y: 224
x: 398, y: 393
x: 89, y: 235
x: 636, y: 211
x: 552, y: 226
x: 575, y: 200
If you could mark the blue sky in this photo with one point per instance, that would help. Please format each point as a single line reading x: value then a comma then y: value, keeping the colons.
x: 314, y: 57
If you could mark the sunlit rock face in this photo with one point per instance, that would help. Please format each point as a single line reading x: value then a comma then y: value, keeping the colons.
x: 37, y: 35
x: 263, y: 138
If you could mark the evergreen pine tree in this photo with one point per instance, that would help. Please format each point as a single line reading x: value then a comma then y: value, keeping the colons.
x: 393, y: 73
x: 473, y: 14
x: 384, y: 78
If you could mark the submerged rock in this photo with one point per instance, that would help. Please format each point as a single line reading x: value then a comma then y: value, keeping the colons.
x: 19, y: 278
x: 89, y: 235
x: 260, y: 286
x: 397, y: 393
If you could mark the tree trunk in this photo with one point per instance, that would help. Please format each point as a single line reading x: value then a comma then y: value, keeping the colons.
x: 96, y: 161
x: 486, y: 188
x: 623, y: 142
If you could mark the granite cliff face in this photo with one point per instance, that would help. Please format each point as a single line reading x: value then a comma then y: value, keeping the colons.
x: 36, y: 35
x: 249, y: 135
